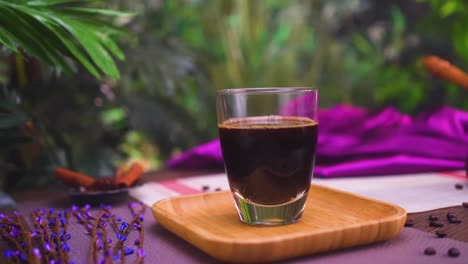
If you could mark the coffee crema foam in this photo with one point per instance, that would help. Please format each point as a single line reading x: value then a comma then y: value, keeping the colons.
x: 267, y: 122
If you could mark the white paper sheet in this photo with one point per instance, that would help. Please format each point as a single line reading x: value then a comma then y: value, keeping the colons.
x: 413, y: 192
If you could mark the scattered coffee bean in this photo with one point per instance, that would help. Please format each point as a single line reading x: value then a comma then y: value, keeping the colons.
x: 451, y: 215
x: 429, y: 251
x: 433, y: 217
x: 409, y: 223
x: 205, y: 187
x: 453, y: 252
x: 441, y: 234
x: 454, y: 220
x: 465, y: 204
x: 218, y: 189
x: 458, y: 186
x: 436, y: 224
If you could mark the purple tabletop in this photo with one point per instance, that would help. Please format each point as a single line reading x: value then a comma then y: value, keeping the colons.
x: 161, y: 246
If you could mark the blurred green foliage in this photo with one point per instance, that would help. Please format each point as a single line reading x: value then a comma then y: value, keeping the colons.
x: 179, y: 52
x: 357, y: 52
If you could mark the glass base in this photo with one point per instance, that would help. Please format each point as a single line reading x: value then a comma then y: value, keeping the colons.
x: 270, y: 215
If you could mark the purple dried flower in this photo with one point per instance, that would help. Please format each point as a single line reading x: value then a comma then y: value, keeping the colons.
x: 131, y: 205
x: 128, y: 251
x: 59, y: 214
x: 34, y: 234
x: 63, y: 221
x: 109, y: 240
x: 75, y: 208
x: 2, y: 216
x: 118, y: 219
x: 47, y: 246
x: 37, y: 253
x: 66, y: 247
x: 137, y: 241
x: 89, y: 215
x: 39, y: 220
x: 121, y: 237
x: 68, y: 236
x: 87, y: 207
x: 141, y: 218
x: 52, y: 222
x: 116, y: 256
x: 16, y: 213
x: 141, y: 253
x: 51, y: 210
x: 23, y: 257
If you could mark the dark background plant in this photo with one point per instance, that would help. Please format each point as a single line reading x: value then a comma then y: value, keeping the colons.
x: 42, y: 39
x: 179, y: 52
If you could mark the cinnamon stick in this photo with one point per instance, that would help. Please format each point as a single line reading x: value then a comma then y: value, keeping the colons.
x: 443, y: 69
x: 74, y: 178
x: 132, y: 175
x: 121, y: 171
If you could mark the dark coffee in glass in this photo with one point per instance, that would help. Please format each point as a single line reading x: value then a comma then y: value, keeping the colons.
x: 269, y: 160
x: 268, y: 139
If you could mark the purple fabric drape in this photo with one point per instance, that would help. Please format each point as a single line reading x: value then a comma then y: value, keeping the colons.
x: 355, y: 142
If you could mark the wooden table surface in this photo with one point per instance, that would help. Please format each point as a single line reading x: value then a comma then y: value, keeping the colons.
x: 421, y: 221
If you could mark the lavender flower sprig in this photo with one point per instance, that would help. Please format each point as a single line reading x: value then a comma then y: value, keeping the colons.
x: 48, y: 242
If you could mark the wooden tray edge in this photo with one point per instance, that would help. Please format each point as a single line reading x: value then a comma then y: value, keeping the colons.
x: 205, y: 242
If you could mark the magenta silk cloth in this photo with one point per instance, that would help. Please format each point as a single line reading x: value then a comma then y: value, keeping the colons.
x: 355, y: 142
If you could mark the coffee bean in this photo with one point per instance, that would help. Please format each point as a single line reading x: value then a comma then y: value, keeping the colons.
x: 453, y: 252
x: 458, y: 186
x: 433, y: 217
x: 436, y: 224
x: 454, y: 220
x: 409, y: 224
x: 465, y: 204
x: 430, y: 251
x: 218, y: 189
x: 451, y: 215
x: 441, y: 234
x: 205, y: 187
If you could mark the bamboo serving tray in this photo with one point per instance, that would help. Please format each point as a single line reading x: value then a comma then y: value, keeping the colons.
x: 332, y: 220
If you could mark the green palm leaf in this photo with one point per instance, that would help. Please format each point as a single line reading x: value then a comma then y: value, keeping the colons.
x: 54, y: 30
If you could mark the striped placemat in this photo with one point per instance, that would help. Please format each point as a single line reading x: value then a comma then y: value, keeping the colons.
x: 414, y: 192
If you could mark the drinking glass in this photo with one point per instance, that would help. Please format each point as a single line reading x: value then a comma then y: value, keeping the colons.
x: 268, y: 138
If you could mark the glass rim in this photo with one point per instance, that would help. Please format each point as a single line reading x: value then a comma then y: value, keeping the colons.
x: 267, y: 90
